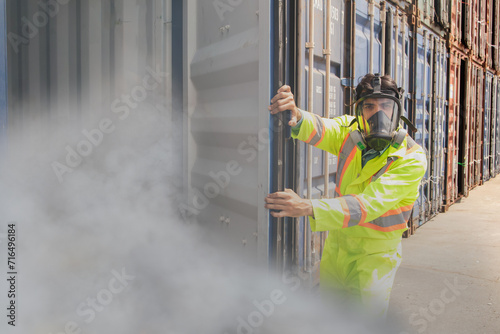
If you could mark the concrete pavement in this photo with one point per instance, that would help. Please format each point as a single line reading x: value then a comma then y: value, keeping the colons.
x: 449, y: 280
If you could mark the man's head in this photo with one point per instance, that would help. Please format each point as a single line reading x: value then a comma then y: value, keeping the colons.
x: 378, y: 109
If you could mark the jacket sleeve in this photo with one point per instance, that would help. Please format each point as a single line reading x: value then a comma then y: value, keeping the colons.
x: 324, y: 133
x: 393, y: 193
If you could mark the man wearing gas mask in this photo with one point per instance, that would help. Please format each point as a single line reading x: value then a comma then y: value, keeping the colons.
x: 379, y: 170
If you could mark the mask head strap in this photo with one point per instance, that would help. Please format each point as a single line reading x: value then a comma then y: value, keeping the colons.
x: 376, y: 84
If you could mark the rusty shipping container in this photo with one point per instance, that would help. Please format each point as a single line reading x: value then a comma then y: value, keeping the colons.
x: 455, y: 159
x: 475, y: 114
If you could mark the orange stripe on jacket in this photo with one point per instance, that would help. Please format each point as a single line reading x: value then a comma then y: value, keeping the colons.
x: 347, y: 214
x: 311, y: 136
x: 342, y: 146
x: 347, y: 162
x: 322, y: 132
x: 363, y: 209
x: 384, y: 229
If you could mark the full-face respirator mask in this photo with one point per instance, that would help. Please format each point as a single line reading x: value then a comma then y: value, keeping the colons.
x: 378, y: 113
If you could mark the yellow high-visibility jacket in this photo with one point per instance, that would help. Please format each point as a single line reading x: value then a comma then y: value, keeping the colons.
x: 366, y: 207
x: 367, y: 217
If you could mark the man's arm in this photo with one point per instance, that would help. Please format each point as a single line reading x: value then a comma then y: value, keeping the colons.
x: 323, y: 133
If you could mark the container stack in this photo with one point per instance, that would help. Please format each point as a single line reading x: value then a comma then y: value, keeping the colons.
x: 460, y: 103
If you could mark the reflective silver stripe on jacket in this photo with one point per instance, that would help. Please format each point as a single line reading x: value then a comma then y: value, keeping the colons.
x: 355, y: 210
x: 392, y: 220
x: 346, y: 150
x: 319, y: 126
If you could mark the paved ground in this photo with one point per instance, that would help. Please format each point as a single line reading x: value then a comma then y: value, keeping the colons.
x: 449, y: 280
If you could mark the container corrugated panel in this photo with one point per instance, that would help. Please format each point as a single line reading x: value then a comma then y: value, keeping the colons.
x: 309, y: 255
x: 228, y: 89
x: 487, y: 125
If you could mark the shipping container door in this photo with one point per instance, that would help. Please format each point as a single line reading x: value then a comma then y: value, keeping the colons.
x: 3, y: 77
x: 226, y: 128
x: 320, y: 92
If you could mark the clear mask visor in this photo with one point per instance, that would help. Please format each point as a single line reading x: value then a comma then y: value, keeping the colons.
x: 378, y: 116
